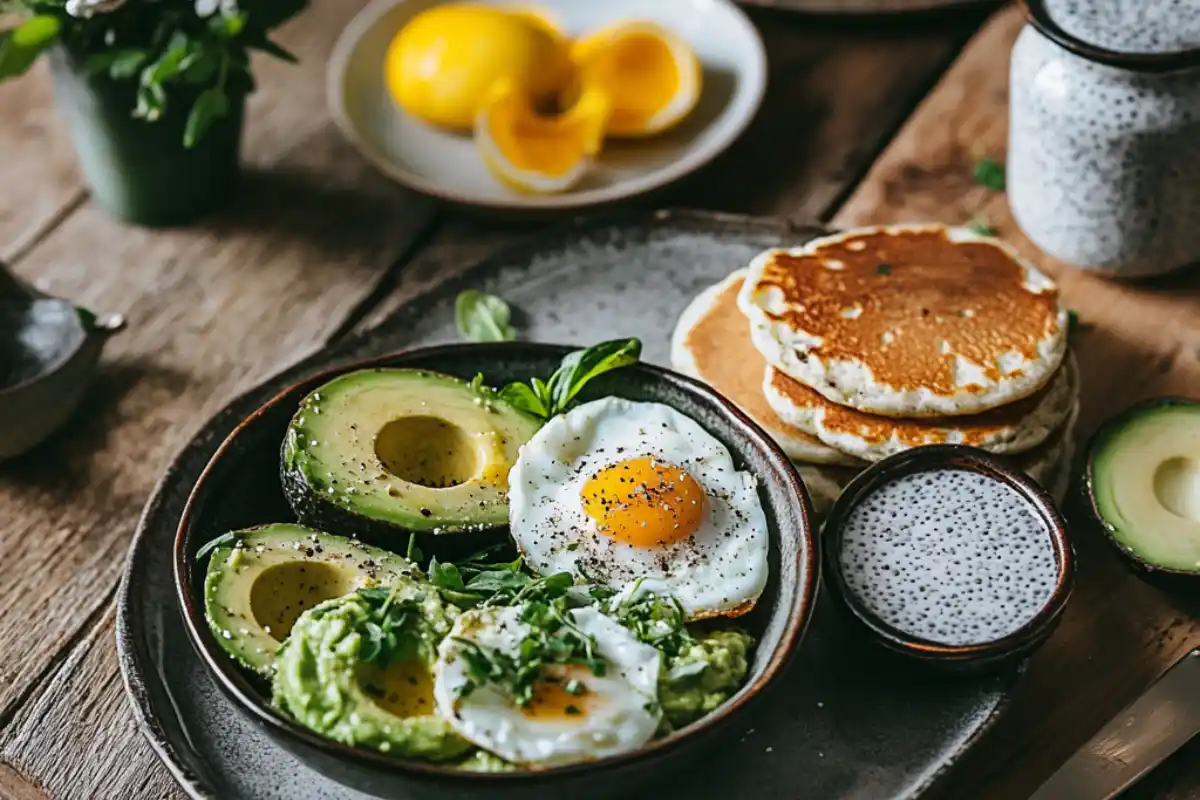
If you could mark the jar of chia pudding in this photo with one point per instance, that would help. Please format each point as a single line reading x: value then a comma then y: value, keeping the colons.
x: 1104, y: 133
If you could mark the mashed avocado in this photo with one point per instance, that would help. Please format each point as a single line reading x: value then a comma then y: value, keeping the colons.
x: 483, y: 761
x: 358, y: 670
x: 705, y: 673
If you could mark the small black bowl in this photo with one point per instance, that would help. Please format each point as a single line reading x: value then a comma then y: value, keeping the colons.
x: 240, y: 487
x: 962, y: 657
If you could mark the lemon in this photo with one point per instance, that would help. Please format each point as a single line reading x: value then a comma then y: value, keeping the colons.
x: 651, y: 75
x: 442, y: 65
x: 533, y: 152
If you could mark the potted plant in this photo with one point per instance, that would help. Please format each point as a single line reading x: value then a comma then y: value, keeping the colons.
x: 152, y: 91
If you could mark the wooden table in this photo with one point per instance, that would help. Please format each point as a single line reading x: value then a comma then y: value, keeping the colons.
x: 863, y: 122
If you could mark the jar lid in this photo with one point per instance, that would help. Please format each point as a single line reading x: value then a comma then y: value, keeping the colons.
x: 1148, y: 35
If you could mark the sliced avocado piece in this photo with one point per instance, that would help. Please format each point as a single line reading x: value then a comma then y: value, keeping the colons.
x: 256, y: 588
x: 381, y: 451
x: 1143, y: 478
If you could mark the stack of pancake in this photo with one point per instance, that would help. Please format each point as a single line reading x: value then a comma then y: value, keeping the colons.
x: 858, y: 346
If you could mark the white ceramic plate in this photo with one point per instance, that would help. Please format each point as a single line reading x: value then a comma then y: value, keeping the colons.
x: 447, y: 165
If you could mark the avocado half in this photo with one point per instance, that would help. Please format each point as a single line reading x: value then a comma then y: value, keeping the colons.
x: 383, y: 453
x: 258, y: 585
x: 1143, y: 485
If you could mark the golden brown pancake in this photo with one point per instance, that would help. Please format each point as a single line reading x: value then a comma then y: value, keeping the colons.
x: 1013, y: 428
x: 712, y: 343
x: 907, y: 321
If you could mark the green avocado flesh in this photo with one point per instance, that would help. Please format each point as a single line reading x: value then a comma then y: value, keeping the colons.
x: 255, y: 591
x: 1146, y: 484
x: 396, y: 449
x: 327, y: 681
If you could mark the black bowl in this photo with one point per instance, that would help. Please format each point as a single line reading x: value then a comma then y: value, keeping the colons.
x: 240, y: 487
x: 970, y: 657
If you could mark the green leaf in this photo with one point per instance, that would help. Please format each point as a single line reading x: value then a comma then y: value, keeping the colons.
x: 124, y: 64
x: 522, y: 397
x: 580, y: 367
x: 167, y: 67
x: 227, y: 27
x: 445, y: 576
x: 267, y: 46
x: 37, y: 32
x: 210, y: 106
x: 413, y: 553
x: 980, y: 225
x: 224, y: 540
x: 483, y: 317
x: 20, y: 46
x: 151, y: 101
x: 200, y: 66
x: 990, y: 173
x: 1072, y: 322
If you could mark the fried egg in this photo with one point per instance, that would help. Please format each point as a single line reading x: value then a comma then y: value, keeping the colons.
x: 618, y: 491
x: 600, y: 715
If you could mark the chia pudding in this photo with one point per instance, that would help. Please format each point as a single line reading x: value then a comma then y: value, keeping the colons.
x: 949, y: 556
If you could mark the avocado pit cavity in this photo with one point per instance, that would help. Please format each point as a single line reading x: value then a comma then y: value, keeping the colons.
x: 428, y: 451
x: 1177, y: 487
x: 281, y: 593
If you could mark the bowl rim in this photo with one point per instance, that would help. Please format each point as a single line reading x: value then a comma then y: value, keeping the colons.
x: 753, y: 71
x: 955, y: 456
x: 237, y: 686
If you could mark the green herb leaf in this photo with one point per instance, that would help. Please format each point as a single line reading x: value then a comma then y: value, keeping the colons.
x: 574, y: 687
x: 126, y: 63
x: 413, y: 553
x: 498, y: 580
x: 483, y: 317
x: 522, y: 397
x: 883, y: 269
x: 151, y: 102
x: 1072, y: 322
x: 227, y: 27
x: 20, y: 46
x: 167, y: 67
x: 580, y: 367
x: 200, y: 66
x: 990, y: 173
x: 981, y: 226
x: 210, y: 106
x: 445, y: 576
x: 224, y: 540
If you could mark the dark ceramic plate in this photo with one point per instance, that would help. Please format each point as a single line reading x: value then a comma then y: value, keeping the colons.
x: 241, y: 488
x: 844, y: 723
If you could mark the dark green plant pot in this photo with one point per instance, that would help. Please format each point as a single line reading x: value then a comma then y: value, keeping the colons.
x: 139, y: 171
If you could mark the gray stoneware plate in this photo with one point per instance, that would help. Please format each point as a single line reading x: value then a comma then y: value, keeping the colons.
x: 846, y: 722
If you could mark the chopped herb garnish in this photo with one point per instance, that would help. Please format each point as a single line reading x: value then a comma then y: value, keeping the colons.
x: 884, y: 269
x: 413, y: 553
x: 395, y: 625
x: 654, y: 619
x: 574, y: 687
x: 990, y: 173
x: 1072, y: 321
x: 573, y: 709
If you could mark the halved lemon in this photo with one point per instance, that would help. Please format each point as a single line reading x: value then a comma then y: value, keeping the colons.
x: 442, y: 65
x: 535, y: 152
x: 651, y: 75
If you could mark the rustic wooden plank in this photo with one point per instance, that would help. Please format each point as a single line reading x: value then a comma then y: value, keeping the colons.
x: 14, y: 787
x: 211, y: 310
x: 108, y: 757
x: 835, y: 92
x: 38, y: 167
x: 1118, y: 633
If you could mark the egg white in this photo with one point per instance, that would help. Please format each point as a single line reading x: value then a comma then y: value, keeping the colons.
x: 720, y: 569
x: 622, y: 712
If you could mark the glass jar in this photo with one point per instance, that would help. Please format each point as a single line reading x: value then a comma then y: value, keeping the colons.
x: 1104, y: 133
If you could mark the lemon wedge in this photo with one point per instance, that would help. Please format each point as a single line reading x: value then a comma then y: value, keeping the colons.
x: 651, y: 75
x: 443, y: 64
x: 538, y: 153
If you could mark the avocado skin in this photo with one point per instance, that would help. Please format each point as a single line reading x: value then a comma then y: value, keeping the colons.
x: 1170, y: 580
x: 315, y: 511
x: 303, y: 474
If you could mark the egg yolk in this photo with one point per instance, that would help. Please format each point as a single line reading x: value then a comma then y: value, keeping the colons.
x: 560, y: 693
x: 644, y: 502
